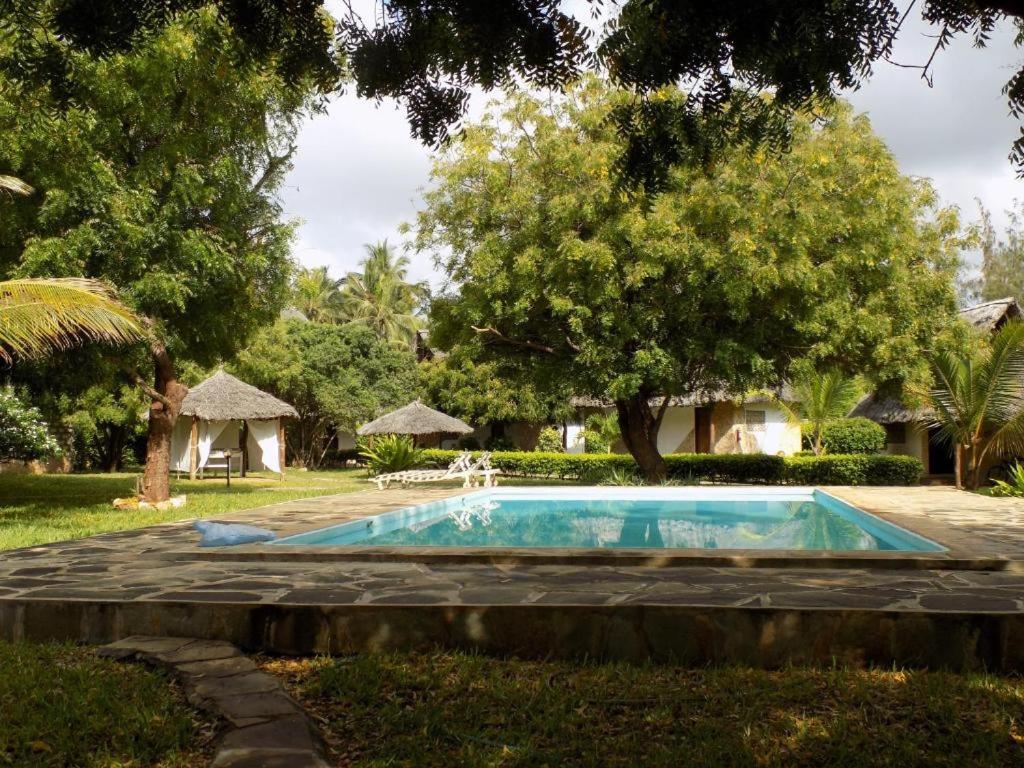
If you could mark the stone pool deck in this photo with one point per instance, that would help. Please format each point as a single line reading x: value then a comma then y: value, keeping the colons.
x: 963, y: 608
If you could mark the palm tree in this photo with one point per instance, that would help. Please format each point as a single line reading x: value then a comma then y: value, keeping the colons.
x: 978, y: 401
x: 316, y: 295
x: 39, y: 315
x: 14, y: 186
x: 819, y: 398
x: 382, y: 298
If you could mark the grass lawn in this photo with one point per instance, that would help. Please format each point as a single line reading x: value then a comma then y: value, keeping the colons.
x: 61, y: 705
x: 449, y: 709
x: 35, y: 509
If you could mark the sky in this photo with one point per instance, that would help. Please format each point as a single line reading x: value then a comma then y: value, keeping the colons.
x: 358, y: 174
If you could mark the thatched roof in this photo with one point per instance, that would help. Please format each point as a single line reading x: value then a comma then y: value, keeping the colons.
x: 785, y: 392
x: 992, y: 314
x: 222, y: 397
x: 415, y: 419
x: 889, y: 410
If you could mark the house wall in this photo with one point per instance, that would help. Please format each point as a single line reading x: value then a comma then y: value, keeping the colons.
x: 676, y: 434
x: 916, y: 443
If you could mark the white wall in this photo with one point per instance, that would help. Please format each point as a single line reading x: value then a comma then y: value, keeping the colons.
x: 573, y: 442
x: 777, y: 435
x: 676, y: 424
x: 916, y: 438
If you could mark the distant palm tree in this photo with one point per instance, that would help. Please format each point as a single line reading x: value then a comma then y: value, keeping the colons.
x: 382, y: 298
x: 978, y: 401
x: 316, y: 295
x: 819, y: 398
x: 45, y: 314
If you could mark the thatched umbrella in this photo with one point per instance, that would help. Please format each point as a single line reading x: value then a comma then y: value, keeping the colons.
x: 417, y: 420
x: 222, y: 397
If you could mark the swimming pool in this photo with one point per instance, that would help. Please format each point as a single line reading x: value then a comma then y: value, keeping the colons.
x: 627, y: 518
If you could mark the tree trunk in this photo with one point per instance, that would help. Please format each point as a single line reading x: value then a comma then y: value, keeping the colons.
x: 167, y: 394
x: 639, y: 427
x: 958, y: 465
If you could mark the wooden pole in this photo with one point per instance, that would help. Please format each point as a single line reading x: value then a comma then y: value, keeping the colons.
x: 193, y: 449
x: 245, y: 446
x: 280, y: 445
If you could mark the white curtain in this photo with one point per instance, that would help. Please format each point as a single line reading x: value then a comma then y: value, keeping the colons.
x: 208, y: 432
x: 263, y: 437
x: 180, y: 438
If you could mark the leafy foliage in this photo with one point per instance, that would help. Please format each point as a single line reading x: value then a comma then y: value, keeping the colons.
x: 817, y: 399
x: 550, y: 440
x: 872, y: 469
x: 336, y: 376
x: 1002, y: 259
x: 430, y: 55
x: 1013, y: 485
x: 381, y: 297
x: 856, y: 435
x: 390, y: 453
x: 23, y: 433
x: 828, y: 253
x: 600, y: 432
x: 978, y: 399
x: 317, y: 295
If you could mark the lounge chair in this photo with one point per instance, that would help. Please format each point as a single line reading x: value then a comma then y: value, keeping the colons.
x: 457, y: 469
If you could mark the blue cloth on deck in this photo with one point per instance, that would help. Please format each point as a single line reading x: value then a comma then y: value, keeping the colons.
x: 230, y: 534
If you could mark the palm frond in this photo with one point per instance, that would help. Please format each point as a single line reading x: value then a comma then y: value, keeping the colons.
x: 41, y: 315
x: 15, y: 185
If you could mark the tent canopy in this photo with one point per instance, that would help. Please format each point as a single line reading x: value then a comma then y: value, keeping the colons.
x: 416, y: 419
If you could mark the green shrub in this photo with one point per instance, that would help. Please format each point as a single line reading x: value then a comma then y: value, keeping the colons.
x: 853, y: 469
x: 499, y: 443
x: 853, y: 436
x: 1013, y: 485
x: 391, y: 453
x: 23, y: 433
x: 864, y: 469
x: 550, y: 440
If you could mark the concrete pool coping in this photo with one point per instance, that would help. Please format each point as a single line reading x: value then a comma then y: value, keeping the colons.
x: 155, y: 581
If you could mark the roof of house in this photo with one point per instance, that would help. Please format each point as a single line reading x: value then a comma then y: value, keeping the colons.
x: 415, y: 419
x: 990, y: 315
x: 222, y: 397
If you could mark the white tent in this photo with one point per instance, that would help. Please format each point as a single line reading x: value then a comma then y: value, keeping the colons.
x: 226, y: 414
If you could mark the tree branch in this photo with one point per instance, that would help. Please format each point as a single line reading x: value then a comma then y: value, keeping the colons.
x: 501, y: 338
x: 152, y: 393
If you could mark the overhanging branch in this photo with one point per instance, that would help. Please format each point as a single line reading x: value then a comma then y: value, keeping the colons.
x: 500, y: 338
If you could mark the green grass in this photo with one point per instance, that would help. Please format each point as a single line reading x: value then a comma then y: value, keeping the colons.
x: 36, y: 509
x: 454, y: 709
x: 63, y: 706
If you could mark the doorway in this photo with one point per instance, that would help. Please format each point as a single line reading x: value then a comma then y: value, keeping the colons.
x: 940, y: 455
x: 702, y: 428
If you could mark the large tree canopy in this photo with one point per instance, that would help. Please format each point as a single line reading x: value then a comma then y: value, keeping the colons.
x: 827, y: 254
x: 430, y: 53
x: 336, y: 376
x: 159, y: 178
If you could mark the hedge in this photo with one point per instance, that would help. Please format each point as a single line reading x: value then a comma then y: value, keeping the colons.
x: 857, y: 435
x: 859, y: 469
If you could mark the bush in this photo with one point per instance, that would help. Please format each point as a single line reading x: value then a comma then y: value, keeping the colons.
x: 550, y: 440
x: 23, y: 433
x: 864, y: 469
x: 854, y: 469
x: 391, y: 453
x: 499, y: 443
x: 469, y: 443
x: 853, y: 436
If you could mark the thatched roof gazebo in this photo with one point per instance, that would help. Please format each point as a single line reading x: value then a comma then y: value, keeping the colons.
x: 223, y: 418
x: 417, y: 420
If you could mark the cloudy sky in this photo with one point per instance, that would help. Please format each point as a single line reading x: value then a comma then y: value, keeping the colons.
x: 358, y: 174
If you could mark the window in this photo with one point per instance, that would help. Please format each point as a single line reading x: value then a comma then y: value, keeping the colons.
x: 895, y: 434
x: 755, y: 419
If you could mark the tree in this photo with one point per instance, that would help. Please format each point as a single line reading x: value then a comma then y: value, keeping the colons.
x: 317, y: 295
x: 826, y: 254
x: 817, y: 399
x: 38, y: 316
x: 978, y: 400
x: 160, y: 178
x: 337, y: 376
x: 475, y: 391
x: 381, y: 297
x: 430, y: 54
x: 1002, y: 259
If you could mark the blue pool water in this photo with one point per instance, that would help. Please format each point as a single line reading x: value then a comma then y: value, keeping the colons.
x: 634, y: 518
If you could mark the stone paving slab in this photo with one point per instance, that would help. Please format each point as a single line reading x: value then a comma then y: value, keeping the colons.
x: 156, y: 581
x: 265, y: 726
